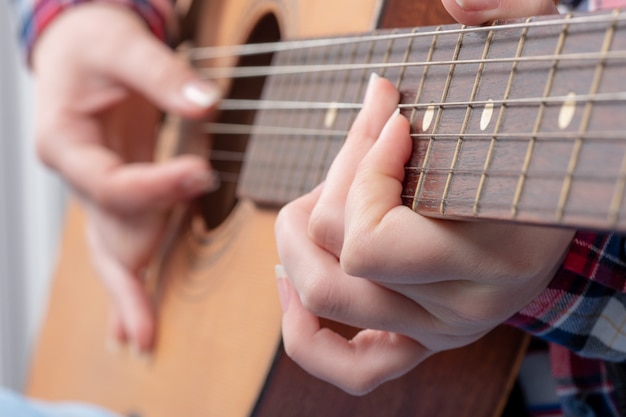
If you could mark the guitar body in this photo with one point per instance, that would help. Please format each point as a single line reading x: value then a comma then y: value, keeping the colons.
x: 218, y: 350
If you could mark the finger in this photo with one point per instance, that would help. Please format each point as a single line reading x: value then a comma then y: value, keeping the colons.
x: 131, y: 302
x: 151, y: 68
x: 100, y: 175
x: 375, y: 211
x: 116, y: 334
x: 475, y: 12
x: 380, y: 231
x: 357, y: 366
x: 387, y: 242
x: 326, y: 291
x: 326, y: 226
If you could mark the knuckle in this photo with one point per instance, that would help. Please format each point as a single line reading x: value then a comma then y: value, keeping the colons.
x: 359, y: 255
x: 325, y: 229
x: 317, y: 297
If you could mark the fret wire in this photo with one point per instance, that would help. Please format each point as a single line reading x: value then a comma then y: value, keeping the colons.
x: 327, y: 157
x: 308, y: 121
x: 388, y: 53
x: 420, y: 88
x: 494, y: 139
x: 447, y: 88
x: 618, y: 194
x: 242, y: 104
x: 584, y: 125
x: 212, y: 52
x: 323, y: 141
x: 421, y: 180
x: 540, y: 112
x: 272, y: 179
x: 465, y: 122
x: 236, y: 129
x: 245, y: 72
x: 362, y: 86
x: 405, y: 59
x: 283, y: 182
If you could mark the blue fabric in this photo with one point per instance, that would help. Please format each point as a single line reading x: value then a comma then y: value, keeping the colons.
x: 15, y: 405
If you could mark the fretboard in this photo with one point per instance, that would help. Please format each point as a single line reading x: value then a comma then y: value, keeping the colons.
x: 523, y: 122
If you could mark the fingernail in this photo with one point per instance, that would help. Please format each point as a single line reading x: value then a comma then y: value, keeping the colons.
x: 203, y: 182
x: 201, y: 93
x: 373, y: 77
x: 284, y: 292
x: 478, y: 5
x: 393, y: 116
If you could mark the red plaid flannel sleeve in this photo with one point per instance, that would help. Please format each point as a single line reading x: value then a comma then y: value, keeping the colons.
x: 43, y: 12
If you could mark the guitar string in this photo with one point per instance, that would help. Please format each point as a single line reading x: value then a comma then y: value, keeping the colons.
x: 204, y: 53
x: 212, y: 52
x: 263, y: 71
x: 242, y: 129
x: 591, y: 179
x: 262, y: 104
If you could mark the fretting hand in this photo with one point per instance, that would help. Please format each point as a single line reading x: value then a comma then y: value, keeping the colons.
x: 353, y: 254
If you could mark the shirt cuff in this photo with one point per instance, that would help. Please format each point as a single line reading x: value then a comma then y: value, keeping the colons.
x: 45, y: 11
x: 584, y: 306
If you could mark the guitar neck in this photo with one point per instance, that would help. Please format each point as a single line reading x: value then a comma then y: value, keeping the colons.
x: 523, y: 121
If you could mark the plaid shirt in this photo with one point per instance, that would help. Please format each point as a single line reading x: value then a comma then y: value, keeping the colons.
x: 34, y: 18
x: 583, y: 314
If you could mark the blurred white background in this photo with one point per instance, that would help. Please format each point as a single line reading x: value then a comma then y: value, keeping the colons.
x: 31, y: 213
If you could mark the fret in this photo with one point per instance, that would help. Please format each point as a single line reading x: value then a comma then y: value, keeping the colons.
x: 306, y: 150
x: 286, y: 161
x: 405, y: 60
x: 497, y: 133
x: 540, y: 114
x: 396, y: 59
x: 437, y: 119
x: 567, y: 183
x: 463, y: 128
x: 258, y: 172
x: 494, y: 138
x: 411, y: 183
x: 618, y: 196
x: 420, y: 88
x: 356, y: 79
x: 316, y: 175
x: 388, y: 53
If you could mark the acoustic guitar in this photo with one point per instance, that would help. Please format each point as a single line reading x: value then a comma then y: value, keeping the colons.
x: 516, y: 122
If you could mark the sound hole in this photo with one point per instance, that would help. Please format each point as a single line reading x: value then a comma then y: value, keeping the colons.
x: 214, y: 208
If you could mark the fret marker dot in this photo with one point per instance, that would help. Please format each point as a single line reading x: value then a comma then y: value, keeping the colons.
x: 487, y: 115
x: 331, y: 115
x: 428, y: 118
x: 567, y: 111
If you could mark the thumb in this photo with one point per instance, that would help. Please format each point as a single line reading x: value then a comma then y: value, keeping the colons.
x: 475, y: 12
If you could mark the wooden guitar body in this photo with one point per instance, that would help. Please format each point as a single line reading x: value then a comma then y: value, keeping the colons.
x: 218, y: 349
